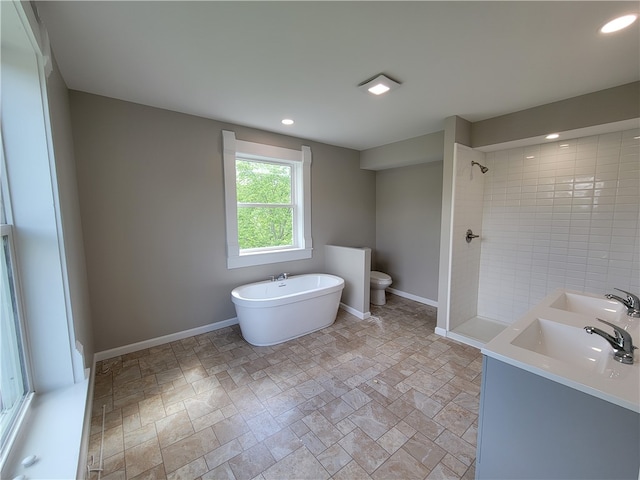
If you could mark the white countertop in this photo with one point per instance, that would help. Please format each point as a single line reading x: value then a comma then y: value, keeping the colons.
x: 571, y: 356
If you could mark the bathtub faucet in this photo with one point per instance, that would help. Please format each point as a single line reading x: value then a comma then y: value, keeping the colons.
x: 280, y: 276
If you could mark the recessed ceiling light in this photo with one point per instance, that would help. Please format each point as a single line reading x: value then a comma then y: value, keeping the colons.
x: 379, y: 84
x: 552, y: 136
x: 619, y: 23
x: 378, y: 89
x: 287, y: 121
x: 529, y: 157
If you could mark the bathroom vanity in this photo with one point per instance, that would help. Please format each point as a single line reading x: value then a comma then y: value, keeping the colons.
x: 555, y: 403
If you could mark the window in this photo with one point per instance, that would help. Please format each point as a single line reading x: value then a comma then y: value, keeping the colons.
x: 265, y: 204
x: 14, y: 385
x: 13, y: 380
x: 268, y: 202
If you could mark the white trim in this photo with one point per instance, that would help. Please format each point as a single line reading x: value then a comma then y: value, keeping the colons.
x: 230, y: 196
x: 301, y: 162
x: 466, y: 340
x: 441, y: 331
x: 305, y: 211
x: 413, y: 297
x: 264, y: 258
x: 61, y: 411
x: 24, y: 356
x: 448, y: 251
x: 35, y: 207
x: 20, y: 420
x: 354, y: 312
x: 259, y: 151
x: 81, y: 473
x: 451, y: 226
x: 76, y: 357
x: 154, y: 342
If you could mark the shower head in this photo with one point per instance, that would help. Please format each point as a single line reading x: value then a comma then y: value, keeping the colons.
x: 483, y: 169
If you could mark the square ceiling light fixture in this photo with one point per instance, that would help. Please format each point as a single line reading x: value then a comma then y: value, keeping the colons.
x: 379, y: 84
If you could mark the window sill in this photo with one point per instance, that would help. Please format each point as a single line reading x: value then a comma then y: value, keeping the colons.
x: 52, y: 431
x: 264, y: 258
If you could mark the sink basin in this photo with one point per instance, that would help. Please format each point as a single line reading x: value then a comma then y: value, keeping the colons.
x: 603, y: 308
x: 550, y: 341
x: 565, y: 343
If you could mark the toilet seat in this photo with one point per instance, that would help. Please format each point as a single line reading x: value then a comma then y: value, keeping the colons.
x: 380, y: 278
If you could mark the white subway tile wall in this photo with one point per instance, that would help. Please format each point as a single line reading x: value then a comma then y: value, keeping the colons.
x: 563, y: 214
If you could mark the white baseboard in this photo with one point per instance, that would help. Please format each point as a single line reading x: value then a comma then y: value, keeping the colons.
x: 459, y: 338
x: 354, y: 312
x: 154, y: 342
x: 466, y: 340
x: 441, y: 331
x: 413, y: 297
x: 82, y: 472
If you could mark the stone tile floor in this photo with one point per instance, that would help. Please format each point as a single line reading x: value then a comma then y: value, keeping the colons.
x: 382, y: 398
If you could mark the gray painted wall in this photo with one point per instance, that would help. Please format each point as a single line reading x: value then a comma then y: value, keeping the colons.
x: 152, y: 204
x: 413, y: 151
x: 151, y: 196
x: 598, y: 108
x: 408, y: 209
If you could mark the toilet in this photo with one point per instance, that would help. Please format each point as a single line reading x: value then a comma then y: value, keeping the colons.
x: 379, y: 281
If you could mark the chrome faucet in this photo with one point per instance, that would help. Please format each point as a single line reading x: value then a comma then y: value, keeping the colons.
x: 281, y: 276
x: 631, y: 302
x: 622, y: 343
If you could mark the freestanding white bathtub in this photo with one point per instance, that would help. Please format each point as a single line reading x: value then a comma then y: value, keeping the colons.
x: 274, y: 312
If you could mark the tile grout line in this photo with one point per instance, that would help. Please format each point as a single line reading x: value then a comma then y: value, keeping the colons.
x: 302, y: 377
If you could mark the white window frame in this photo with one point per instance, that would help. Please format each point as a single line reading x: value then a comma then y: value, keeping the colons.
x: 19, y: 411
x: 300, y: 161
x: 59, y: 380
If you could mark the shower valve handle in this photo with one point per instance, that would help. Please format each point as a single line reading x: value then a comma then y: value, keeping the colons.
x: 470, y: 236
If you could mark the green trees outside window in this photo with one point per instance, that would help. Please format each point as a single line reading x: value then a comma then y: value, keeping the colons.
x: 265, y: 208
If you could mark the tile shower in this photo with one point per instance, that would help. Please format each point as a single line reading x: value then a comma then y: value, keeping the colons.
x: 555, y: 215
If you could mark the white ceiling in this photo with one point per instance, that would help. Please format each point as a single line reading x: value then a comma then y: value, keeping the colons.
x: 254, y: 63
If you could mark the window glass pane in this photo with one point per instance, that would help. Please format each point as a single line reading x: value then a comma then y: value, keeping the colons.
x: 3, y: 210
x: 261, y: 227
x: 13, y: 385
x: 259, y: 182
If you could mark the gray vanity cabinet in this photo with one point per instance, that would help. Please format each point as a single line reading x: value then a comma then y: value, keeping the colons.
x: 532, y: 427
